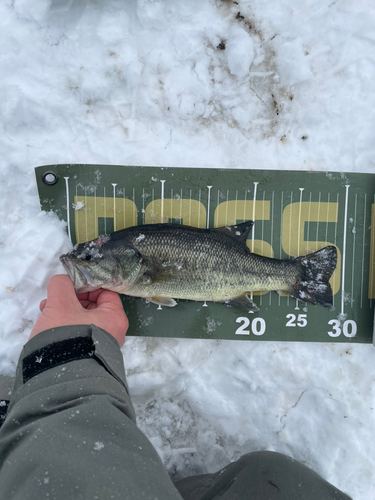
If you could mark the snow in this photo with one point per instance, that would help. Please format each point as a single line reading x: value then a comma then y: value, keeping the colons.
x: 239, y: 51
x: 140, y: 238
x: 283, y: 85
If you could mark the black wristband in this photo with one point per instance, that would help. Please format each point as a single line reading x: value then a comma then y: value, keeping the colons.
x: 57, y: 354
x: 3, y: 410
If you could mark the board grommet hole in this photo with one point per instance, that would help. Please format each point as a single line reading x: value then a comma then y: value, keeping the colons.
x: 50, y: 178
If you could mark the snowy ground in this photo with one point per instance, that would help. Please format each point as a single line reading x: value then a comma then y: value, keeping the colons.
x: 286, y: 85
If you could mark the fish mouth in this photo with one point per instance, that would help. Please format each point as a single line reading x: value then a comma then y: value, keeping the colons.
x: 76, y: 273
x: 82, y: 281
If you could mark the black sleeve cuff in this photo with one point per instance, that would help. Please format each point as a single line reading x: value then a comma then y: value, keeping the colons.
x: 57, y: 354
x: 51, y: 348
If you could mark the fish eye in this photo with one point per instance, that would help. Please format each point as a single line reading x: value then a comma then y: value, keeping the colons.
x: 88, y: 257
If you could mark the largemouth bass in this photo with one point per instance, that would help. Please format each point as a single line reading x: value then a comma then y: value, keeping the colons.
x: 163, y: 262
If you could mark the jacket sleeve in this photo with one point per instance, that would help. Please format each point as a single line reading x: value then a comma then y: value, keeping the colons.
x: 70, y: 429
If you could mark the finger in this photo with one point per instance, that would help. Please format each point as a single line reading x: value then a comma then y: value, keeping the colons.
x: 93, y: 296
x: 107, y: 297
x: 61, y: 293
x: 88, y: 298
x: 42, y: 305
x: 86, y: 303
x: 91, y: 306
x: 83, y: 296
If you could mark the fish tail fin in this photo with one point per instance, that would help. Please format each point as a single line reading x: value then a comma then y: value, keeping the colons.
x: 315, y: 271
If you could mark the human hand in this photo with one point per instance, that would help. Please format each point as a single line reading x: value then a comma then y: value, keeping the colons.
x: 63, y: 307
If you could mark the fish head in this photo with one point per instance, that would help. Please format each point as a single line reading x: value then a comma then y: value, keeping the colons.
x: 100, y: 264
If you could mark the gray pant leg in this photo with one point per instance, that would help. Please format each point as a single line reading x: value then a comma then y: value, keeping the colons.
x: 261, y: 475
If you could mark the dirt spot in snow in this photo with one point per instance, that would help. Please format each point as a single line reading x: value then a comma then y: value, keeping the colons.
x: 265, y: 99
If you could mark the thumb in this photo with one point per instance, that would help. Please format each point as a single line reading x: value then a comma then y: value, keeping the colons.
x: 61, y: 293
x: 106, y: 297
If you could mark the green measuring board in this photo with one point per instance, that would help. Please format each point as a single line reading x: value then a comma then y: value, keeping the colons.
x: 294, y: 212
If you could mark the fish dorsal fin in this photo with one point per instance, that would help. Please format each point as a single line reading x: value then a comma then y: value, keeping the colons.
x: 238, y: 231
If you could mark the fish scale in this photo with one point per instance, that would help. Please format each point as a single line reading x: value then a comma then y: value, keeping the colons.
x: 212, y: 266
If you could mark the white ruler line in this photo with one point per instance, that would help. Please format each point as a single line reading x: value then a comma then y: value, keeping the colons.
x: 344, y: 249
x: 199, y: 206
x: 78, y: 235
x: 299, y: 230
x: 290, y: 234
x: 96, y: 219
x: 226, y: 208
x: 337, y: 201
x: 114, y: 206
x: 181, y: 215
x: 290, y: 223
x: 190, y: 209
x: 326, y: 238
x: 235, y: 208
x: 105, y: 212
x: 123, y: 200
x: 264, y: 197
x: 216, y: 221
x: 143, y: 205
x: 67, y: 206
x: 254, y: 203
x: 86, y: 213
x: 363, y: 250
x: 208, y: 206
x: 262, y: 251
x: 162, y: 201
x: 308, y: 225
x: 272, y: 203
x: 244, y: 206
x: 335, y: 241
x: 253, y: 228
x: 208, y: 220
x: 135, y: 213
x: 354, y: 229
x: 281, y: 228
x: 299, y: 222
x: 317, y: 224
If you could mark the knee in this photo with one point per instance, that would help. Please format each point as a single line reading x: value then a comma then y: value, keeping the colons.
x: 268, y: 459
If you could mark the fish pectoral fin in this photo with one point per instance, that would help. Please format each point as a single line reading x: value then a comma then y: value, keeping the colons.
x: 162, y: 301
x: 161, y: 274
x: 243, y: 302
x: 151, y: 274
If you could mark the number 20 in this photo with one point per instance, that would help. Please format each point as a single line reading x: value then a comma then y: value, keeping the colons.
x: 258, y: 326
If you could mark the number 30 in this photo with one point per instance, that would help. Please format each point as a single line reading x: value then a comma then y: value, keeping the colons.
x: 349, y: 324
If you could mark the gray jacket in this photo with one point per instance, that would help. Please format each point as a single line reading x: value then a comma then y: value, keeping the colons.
x: 70, y: 430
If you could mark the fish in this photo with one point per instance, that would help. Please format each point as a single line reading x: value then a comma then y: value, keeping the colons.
x: 164, y: 262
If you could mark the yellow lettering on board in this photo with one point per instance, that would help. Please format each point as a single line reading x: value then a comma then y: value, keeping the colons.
x: 191, y: 212
x: 228, y: 212
x: 90, y: 208
x: 260, y: 247
x: 293, y: 241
